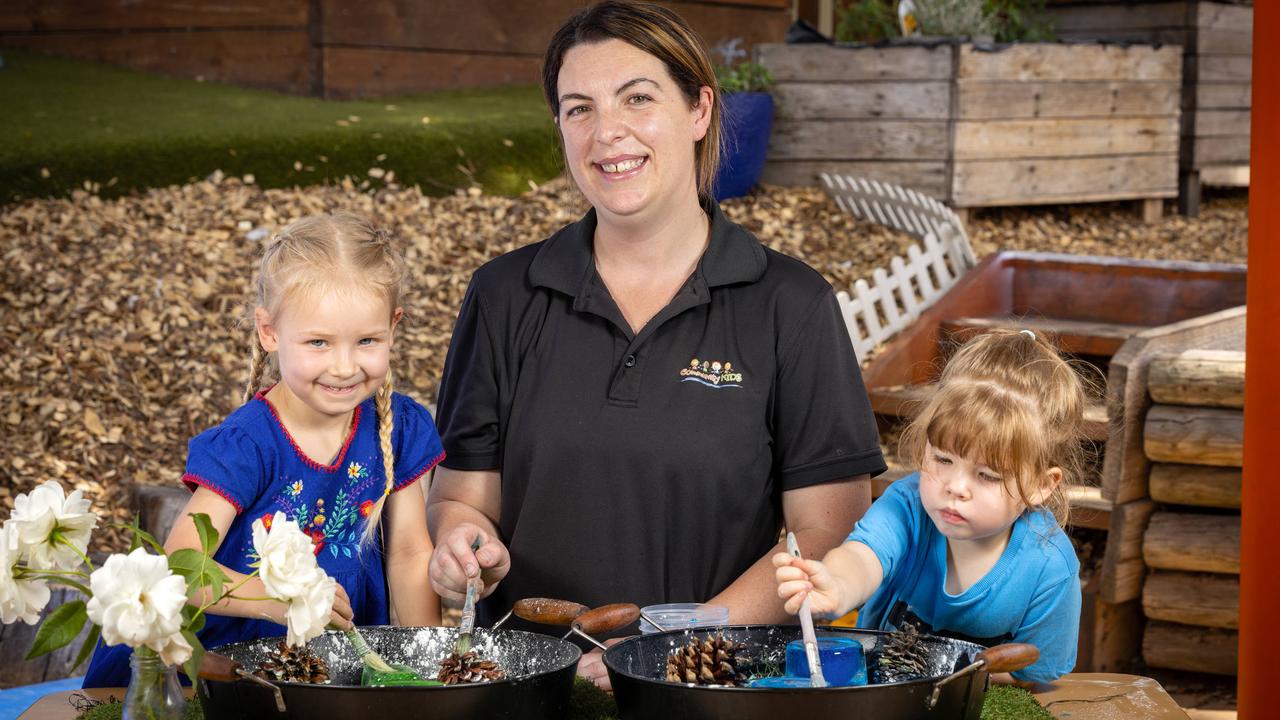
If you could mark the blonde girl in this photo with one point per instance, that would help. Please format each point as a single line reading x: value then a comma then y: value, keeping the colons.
x: 972, y: 545
x: 329, y: 443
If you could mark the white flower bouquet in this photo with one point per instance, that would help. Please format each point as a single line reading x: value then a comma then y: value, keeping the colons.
x: 140, y: 599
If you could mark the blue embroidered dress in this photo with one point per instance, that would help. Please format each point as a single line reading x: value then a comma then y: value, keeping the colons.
x: 253, y: 463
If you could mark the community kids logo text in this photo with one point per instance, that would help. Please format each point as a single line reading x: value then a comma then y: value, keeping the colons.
x: 712, y: 374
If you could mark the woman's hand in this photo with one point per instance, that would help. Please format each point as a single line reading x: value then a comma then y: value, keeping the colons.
x: 453, y: 562
x: 591, y: 667
x: 798, y: 578
x: 341, y: 616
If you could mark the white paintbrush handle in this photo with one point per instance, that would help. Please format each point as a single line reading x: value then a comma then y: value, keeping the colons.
x: 806, y: 628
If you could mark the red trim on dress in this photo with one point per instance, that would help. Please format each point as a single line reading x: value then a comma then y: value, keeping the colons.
x: 193, y: 481
x: 435, y: 461
x: 337, y: 463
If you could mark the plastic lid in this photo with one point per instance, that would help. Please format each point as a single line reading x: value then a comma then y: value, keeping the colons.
x: 681, y: 616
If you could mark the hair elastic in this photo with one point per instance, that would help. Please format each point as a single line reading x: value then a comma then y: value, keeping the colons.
x: 1028, y: 333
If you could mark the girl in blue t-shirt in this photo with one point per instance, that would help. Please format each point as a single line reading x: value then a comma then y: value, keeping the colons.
x: 329, y: 444
x: 972, y: 545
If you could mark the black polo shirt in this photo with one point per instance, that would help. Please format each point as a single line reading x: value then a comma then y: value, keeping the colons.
x: 649, y: 467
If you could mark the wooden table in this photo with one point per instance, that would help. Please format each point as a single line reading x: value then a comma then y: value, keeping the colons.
x: 1078, y: 696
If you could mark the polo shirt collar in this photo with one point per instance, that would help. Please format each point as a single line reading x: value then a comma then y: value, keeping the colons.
x: 564, y: 262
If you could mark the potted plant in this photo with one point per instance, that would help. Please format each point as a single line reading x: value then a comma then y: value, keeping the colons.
x: 747, y: 119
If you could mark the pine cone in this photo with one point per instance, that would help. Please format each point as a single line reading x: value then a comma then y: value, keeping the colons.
x: 468, y: 668
x: 288, y: 664
x: 711, y: 661
x: 902, y: 657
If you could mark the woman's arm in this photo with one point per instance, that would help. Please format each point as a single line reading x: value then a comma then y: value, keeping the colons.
x: 221, y: 514
x: 464, y: 505
x: 821, y: 516
x: 408, y: 558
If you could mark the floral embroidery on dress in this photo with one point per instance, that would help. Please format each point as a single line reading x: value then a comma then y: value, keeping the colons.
x: 336, y: 526
x: 356, y: 471
x: 295, y: 489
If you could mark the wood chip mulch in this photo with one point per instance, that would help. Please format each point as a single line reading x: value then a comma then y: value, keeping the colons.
x: 122, y: 318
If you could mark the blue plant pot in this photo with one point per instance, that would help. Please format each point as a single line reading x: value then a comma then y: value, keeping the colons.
x: 748, y: 119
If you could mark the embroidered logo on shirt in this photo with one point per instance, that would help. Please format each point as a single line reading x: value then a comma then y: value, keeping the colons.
x: 714, y: 374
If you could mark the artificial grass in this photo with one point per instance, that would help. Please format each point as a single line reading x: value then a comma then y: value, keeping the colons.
x: 68, y: 122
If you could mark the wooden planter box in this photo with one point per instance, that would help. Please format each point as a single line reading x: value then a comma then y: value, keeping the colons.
x: 1217, y: 42
x: 1009, y: 125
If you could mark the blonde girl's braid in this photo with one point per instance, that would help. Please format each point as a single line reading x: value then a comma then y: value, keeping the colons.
x: 382, y: 401
x: 257, y: 367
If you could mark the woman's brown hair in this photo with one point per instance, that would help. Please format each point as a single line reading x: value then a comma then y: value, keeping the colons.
x: 664, y: 35
x: 326, y: 252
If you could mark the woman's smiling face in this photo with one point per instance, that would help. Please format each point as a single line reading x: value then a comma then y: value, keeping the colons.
x: 628, y: 129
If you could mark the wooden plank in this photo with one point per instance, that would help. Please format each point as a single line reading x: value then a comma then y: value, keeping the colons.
x: 268, y: 59
x: 1187, y: 647
x: 1077, y: 20
x: 982, y: 100
x: 1211, y: 123
x: 906, y: 401
x: 863, y: 100
x: 1224, y: 42
x: 1088, y: 508
x: 1207, y: 378
x: 824, y: 63
x: 1064, y: 62
x: 1223, y: 16
x: 927, y: 176
x: 1197, y: 436
x: 1078, y: 337
x: 1123, y: 568
x: 1193, y: 599
x: 362, y: 72
x: 16, y: 639
x: 1125, y: 464
x: 1110, y: 634
x: 1196, y: 485
x: 1048, y: 180
x: 1193, y: 542
x: 1229, y: 150
x: 858, y: 140
x: 721, y: 22
x: 1058, y: 138
x: 1221, y: 96
x: 1179, y: 36
x: 44, y: 16
x: 1218, y: 68
x: 1226, y: 175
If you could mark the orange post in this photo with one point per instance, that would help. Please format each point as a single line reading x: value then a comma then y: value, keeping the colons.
x: 1260, y: 533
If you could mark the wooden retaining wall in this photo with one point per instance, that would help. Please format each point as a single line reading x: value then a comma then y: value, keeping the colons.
x: 1021, y: 124
x: 1217, y: 41
x: 339, y: 48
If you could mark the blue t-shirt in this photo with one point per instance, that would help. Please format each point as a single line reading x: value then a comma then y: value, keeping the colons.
x: 252, y: 462
x: 1032, y: 595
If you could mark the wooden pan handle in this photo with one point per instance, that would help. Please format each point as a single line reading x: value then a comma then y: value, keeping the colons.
x: 607, y: 618
x: 218, y: 668
x: 547, y: 611
x: 1009, y: 657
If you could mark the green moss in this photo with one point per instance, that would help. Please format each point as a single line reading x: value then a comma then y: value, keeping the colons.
x: 67, y: 122
x: 1005, y: 702
x: 589, y: 702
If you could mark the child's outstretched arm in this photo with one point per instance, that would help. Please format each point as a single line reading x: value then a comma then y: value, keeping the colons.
x: 221, y: 514
x: 409, y: 558
x: 840, y: 582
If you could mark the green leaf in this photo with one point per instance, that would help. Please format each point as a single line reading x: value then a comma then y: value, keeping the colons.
x: 208, y: 533
x: 140, y: 536
x: 90, y: 641
x: 192, y: 667
x: 217, y: 578
x: 192, y: 621
x: 59, y: 628
x: 190, y: 564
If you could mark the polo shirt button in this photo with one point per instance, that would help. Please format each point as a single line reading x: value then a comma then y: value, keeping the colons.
x: 631, y: 361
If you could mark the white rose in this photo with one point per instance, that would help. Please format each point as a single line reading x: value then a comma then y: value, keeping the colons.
x: 46, y: 523
x: 288, y: 566
x: 173, y: 650
x: 138, y: 601
x: 309, y: 613
x: 19, y: 599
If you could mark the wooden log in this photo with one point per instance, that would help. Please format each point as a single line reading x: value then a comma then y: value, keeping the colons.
x: 1196, y: 485
x: 1193, y: 599
x: 1070, y: 62
x: 1188, y: 647
x: 859, y: 140
x: 1198, y: 436
x: 1059, y: 138
x: 1052, y: 180
x: 981, y: 100
x: 825, y: 63
x: 1123, y: 568
x: 1194, y: 542
x: 1207, y: 378
x: 15, y: 641
x: 927, y: 176
x: 863, y: 100
x: 1110, y: 634
x: 1125, y: 465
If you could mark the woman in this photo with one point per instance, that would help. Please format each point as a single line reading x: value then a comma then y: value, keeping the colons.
x: 633, y: 408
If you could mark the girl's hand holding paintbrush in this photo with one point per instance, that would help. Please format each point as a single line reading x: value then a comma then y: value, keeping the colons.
x: 840, y: 582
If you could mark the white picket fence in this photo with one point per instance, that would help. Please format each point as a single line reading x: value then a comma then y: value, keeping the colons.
x: 875, y: 311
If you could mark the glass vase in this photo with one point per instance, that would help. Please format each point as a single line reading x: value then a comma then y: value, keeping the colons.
x: 154, y: 692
